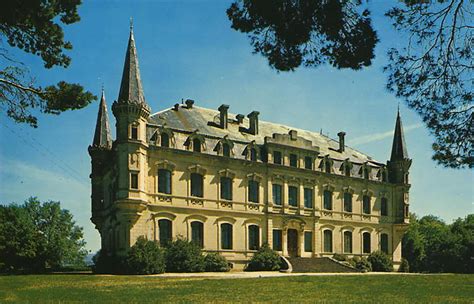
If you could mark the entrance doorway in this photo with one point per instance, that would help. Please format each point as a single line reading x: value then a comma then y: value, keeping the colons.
x: 292, y: 242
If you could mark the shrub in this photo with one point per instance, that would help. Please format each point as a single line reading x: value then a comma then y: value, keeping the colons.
x: 145, y: 257
x: 339, y: 257
x: 184, y: 256
x: 361, y: 264
x: 107, y: 264
x: 404, y: 266
x: 380, y: 261
x: 216, y: 263
x: 265, y: 259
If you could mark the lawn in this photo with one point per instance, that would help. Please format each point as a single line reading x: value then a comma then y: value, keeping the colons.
x: 327, y: 289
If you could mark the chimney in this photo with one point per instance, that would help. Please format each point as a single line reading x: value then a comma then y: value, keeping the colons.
x: 240, y: 118
x: 293, y: 134
x: 223, y: 115
x: 253, y: 122
x: 341, y: 141
x: 189, y: 103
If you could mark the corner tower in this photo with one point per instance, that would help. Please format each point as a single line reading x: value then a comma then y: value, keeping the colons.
x: 399, y: 163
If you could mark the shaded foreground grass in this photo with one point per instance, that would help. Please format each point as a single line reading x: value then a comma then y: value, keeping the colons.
x: 327, y: 289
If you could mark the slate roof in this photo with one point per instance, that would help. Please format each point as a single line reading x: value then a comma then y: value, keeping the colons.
x: 399, y: 147
x: 197, y: 118
x: 102, y: 137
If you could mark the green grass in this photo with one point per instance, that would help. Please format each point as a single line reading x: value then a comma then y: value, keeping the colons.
x: 326, y: 289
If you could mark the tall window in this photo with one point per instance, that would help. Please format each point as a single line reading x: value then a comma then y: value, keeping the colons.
x: 196, y: 145
x: 327, y: 166
x: 226, y: 236
x: 226, y: 149
x: 308, y: 162
x: 197, y: 233
x: 253, y: 191
x: 327, y: 235
x: 366, y: 204
x: 293, y: 160
x: 253, y: 154
x: 277, y: 236
x: 293, y: 196
x: 164, y: 181
x: 226, y: 188
x: 165, y: 140
x: 197, y: 185
x: 134, y: 132
x: 254, y: 237
x: 347, y: 202
x: 308, y: 198
x: 384, y: 243
x: 165, y: 231
x: 384, y: 207
x: 308, y: 241
x: 134, y: 180
x: 277, y: 157
x: 366, y: 242
x: 347, y: 242
x: 277, y: 194
x: 327, y: 200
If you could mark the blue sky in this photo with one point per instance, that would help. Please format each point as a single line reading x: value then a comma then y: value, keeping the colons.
x: 187, y: 49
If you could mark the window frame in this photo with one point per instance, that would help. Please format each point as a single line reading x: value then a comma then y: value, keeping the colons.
x: 347, y: 201
x: 383, y: 206
x: 293, y: 160
x: 200, y: 193
x: 169, y: 235
x: 199, y: 234
x: 277, y: 234
x: 308, y: 163
x: 227, y: 244
x: 278, y: 202
x: 229, y: 182
x: 366, y: 243
x: 168, y: 185
x: 366, y: 202
x: 280, y: 157
x: 328, y: 242
x: 308, y: 241
x: 134, y: 180
x: 293, y: 190
x: 253, y: 196
x: 327, y: 199
x: 347, y: 247
x: 309, y: 204
x: 253, y: 232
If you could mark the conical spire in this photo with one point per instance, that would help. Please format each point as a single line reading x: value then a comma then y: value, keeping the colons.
x: 399, y: 147
x: 102, y: 137
x: 131, y: 90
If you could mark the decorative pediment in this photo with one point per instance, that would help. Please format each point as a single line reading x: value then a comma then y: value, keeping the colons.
x: 252, y: 146
x: 329, y: 187
x: 197, y: 169
x: 367, y: 192
x: 348, y: 189
x: 195, y: 138
x: 255, y: 177
x: 219, y: 147
x: 165, y: 164
x: 226, y: 173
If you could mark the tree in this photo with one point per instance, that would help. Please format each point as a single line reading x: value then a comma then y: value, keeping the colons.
x: 265, y: 259
x: 292, y: 33
x: 145, y: 257
x: 33, y: 26
x: 432, y: 73
x: 413, y: 247
x: 35, y: 237
x: 182, y: 255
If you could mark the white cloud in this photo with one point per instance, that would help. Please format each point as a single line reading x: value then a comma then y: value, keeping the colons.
x: 380, y: 136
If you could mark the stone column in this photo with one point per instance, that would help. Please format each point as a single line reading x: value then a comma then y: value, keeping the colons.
x: 284, y: 241
x: 301, y: 198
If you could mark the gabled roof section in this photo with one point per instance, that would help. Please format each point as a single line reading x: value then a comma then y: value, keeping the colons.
x: 399, y: 147
x: 102, y: 137
x: 131, y: 90
x: 182, y: 118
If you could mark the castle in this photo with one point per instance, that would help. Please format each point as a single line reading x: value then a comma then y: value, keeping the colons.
x: 231, y: 182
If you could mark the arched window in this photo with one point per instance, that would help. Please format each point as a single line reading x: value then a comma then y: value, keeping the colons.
x: 366, y: 242
x: 366, y: 204
x: 165, y: 231
x: 254, y: 237
x: 226, y: 188
x: 384, y: 243
x: 327, y: 203
x: 164, y: 181
x: 383, y: 207
x: 327, y: 235
x: 253, y: 154
x: 197, y: 185
x: 347, y: 202
x: 347, y: 242
x: 253, y: 188
x: 226, y: 149
x: 226, y: 236
x: 196, y: 145
x: 197, y: 233
x: 165, y: 140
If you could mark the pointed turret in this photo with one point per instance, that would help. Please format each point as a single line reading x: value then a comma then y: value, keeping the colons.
x: 131, y: 90
x: 102, y: 137
x: 399, y: 147
x: 399, y: 163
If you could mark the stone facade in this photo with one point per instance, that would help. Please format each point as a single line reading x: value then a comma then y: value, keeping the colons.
x: 232, y: 183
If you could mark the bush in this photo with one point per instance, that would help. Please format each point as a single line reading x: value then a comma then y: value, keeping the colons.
x: 216, y: 263
x: 339, y: 257
x: 361, y: 264
x: 107, y: 264
x: 184, y: 256
x: 380, y: 261
x: 266, y: 259
x: 145, y: 257
x: 404, y: 266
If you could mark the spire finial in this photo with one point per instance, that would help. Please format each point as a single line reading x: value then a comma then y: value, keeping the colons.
x: 131, y: 24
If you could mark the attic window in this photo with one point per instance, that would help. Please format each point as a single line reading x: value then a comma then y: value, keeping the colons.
x: 165, y: 140
x: 226, y: 150
x: 196, y: 145
x: 253, y: 154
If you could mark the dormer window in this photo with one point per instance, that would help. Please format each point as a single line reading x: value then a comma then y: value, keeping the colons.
x: 226, y: 150
x: 253, y: 154
x: 165, y: 140
x: 196, y: 145
x: 327, y: 166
